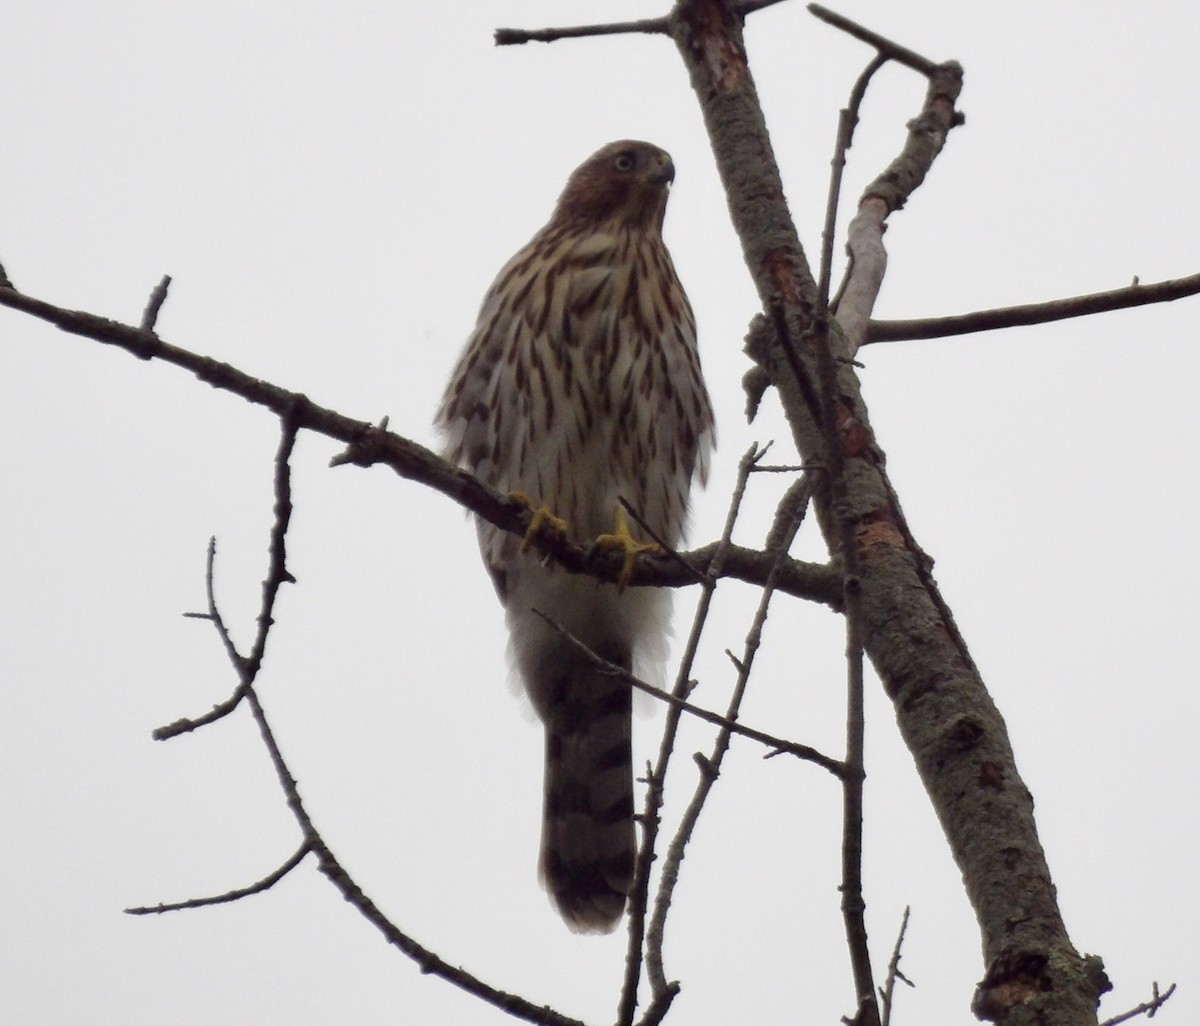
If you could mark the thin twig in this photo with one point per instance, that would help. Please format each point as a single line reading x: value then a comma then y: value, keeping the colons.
x: 655, y: 537
x: 247, y: 669
x: 888, y: 991
x: 645, y: 26
x: 884, y: 45
x: 266, y: 883
x: 710, y: 770
x: 157, y: 297
x: 277, y: 574
x: 774, y: 745
x: 845, y: 528
x: 1147, y: 1008
x: 847, y: 122
x: 662, y: 992
x: 1034, y: 313
x: 333, y: 870
x: 515, y: 37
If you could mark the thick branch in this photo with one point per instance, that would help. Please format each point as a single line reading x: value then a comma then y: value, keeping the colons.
x: 889, y: 192
x: 370, y: 445
x: 957, y: 737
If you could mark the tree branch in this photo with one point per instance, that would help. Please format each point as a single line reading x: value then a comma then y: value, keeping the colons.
x: 774, y: 745
x: 656, y: 776
x: 949, y: 723
x: 369, y: 445
x: 515, y: 37
x: 645, y: 26
x: 887, y: 992
x: 157, y: 297
x: 1146, y: 1008
x: 1035, y: 313
x: 247, y: 669
x: 265, y: 884
x: 886, y: 48
x: 889, y: 192
x: 710, y: 769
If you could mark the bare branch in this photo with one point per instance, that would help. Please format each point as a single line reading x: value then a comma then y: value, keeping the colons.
x: 844, y: 529
x: 187, y: 724
x: 247, y: 670
x: 1147, y: 1008
x: 515, y: 37
x: 333, y: 870
x: 886, y: 48
x: 1035, y: 313
x: 277, y: 574
x: 657, y: 538
x: 790, y: 509
x: 663, y: 993
x: 370, y: 445
x: 265, y: 884
x: 710, y: 771
x: 889, y: 192
x: 951, y: 726
x: 157, y: 297
x: 887, y: 993
x: 645, y: 26
x: 847, y: 122
x: 776, y: 745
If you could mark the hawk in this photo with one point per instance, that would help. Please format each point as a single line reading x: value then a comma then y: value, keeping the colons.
x: 580, y: 386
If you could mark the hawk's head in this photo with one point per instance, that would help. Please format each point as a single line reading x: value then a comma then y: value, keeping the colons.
x: 625, y: 182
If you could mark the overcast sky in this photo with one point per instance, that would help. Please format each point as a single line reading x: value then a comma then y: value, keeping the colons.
x: 332, y: 190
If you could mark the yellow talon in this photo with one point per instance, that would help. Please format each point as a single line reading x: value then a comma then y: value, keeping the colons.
x: 542, y: 518
x: 623, y: 540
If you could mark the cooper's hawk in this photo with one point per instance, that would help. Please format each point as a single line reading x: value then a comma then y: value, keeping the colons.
x: 581, y: 384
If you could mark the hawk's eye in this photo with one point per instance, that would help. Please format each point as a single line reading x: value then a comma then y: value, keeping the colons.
x: 623, y: 161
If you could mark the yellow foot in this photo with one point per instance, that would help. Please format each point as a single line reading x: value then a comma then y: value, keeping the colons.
x: 542, y: 518
x: 623, y: 540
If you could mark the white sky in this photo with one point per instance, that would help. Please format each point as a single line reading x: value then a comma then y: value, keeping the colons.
x: 333, y: 190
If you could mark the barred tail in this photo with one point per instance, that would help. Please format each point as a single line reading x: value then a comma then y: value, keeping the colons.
x: 588, y: 842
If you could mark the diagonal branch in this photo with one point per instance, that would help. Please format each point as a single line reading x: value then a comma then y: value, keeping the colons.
x: 369, y: 445
x: 710, y: 767
x: 889, y: 192
x: 1146, y: 1008
x: 277, y: 575
x: 656, y: 775
x: 774, y: 745
x: 887, y: 993
x: 312, y: 841
x: 950, y: 725
x: 885, y: 47
x: 847, y: 123
x: 265, y: 884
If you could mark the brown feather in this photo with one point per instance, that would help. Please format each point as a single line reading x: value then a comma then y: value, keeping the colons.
x: 580, y: 385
